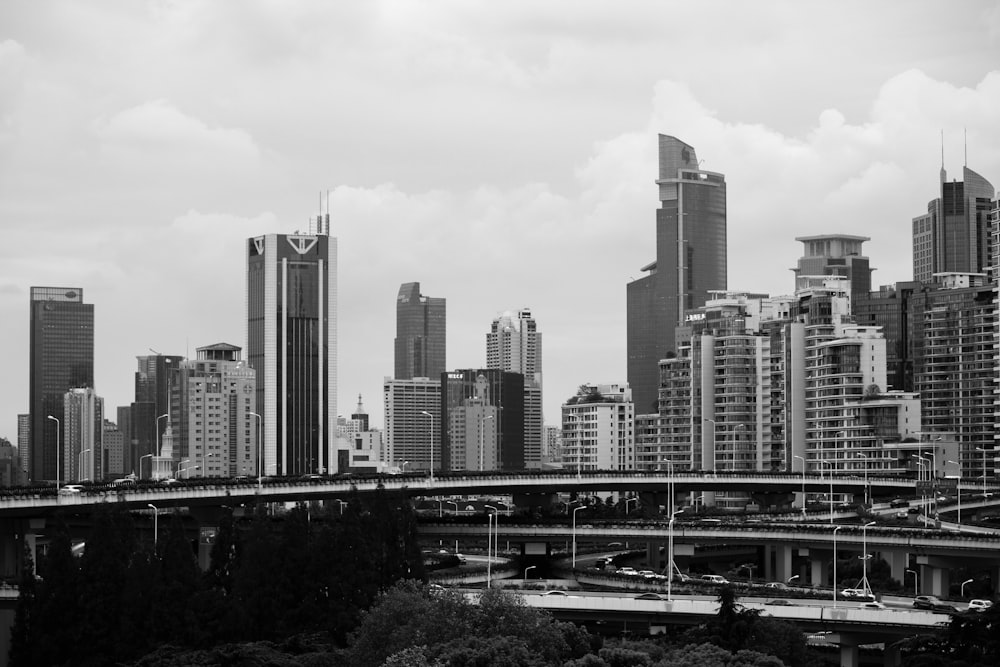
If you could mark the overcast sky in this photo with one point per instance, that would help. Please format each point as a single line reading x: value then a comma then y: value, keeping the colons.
x: 502, y: 154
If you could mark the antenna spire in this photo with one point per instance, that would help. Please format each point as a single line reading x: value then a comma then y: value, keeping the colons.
x: 965, y: 143
x: 944, y: 175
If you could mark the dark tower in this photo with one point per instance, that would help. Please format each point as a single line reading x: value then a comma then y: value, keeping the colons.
x: 61, y: 358
x: 690, y: 261
x: 420, y: 334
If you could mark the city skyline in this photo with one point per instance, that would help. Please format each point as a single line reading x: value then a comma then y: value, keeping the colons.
x: 140, y: 184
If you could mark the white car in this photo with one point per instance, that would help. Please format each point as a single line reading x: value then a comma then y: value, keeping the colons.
x: 70, y: 490
x: 627, y: 572
x: 714, y: 579
x: 856, y: 593
x: 877, y: 606
x: 979, y: 605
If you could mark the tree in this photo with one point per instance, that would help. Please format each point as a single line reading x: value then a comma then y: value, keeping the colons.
x: 21, y: 652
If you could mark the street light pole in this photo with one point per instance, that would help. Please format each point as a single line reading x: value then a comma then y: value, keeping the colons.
x: 958, y: 488
x: 156, y: 526
x: 489, y: 543
x: 260, y: 446
x: 915, y: 581
x: 864, y: 558
x: 967, y: 581
x: 575, y: 510
x: 79, y: 464
x: 145, y: 456
x: 530, y: 567
x: 431, y: 437
x: 59, y: 453
x: 835, y: 565
x: 867, y: 488
x: 670, y: 554
x: 158, y: 445
x: 802, y: 458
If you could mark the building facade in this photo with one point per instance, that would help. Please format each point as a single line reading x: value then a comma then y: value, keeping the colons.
x: 690, y: 261
x: 420, y: 334
x: 836, y: 255
x: 598, y: 429
x: 61, y: 357
x: 83, y: 435
x: 413, y: 423
x: 514, y: 344
x: 213, y: 413
x: 292, y: 346
x: 148, y: 418
x: 483, y: 415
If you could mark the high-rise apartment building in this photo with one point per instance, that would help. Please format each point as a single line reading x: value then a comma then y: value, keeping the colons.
x: 954, y: 338
x: 113, y: 462
x: 413, y: 423
x: 292, y: 345
x: 213, y: 413
x: 598, y: 429
x: 24, y: 442
x: 61, y: 357
x: 690, y: 261
x: 514, y: 344
x: 420, y: 334
x: 83, y: 435
x: 954, y: 235
x: 835, y: 255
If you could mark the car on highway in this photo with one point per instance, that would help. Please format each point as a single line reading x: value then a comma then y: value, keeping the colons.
x: 714, y: 579
x: 557, y: 593
x: 627, y: 572
x: 899, y: 502
x: 776, y: 585
x: 779, y: 602
x: 979, y: 605
x: 856, y: 593
x: 70, y: 490
x: 873, y: 605
x: 648, y: 596
x: 932, y: 603
x: 647, y: 574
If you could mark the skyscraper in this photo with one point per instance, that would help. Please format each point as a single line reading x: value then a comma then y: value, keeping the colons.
x: 482, y: 412
x: 147, y: 420
x: 690, y: 261
x: 61, y: 357
x: 292, y: 345
x: 420, y: 334
x: 83, y: 435
x: 514, y: 344
x: 954, y: 235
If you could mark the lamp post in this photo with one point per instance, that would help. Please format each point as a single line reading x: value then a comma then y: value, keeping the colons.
x: 867, y: 488
x: 530, y: 567
x: 923, y: 463
x: 978, y: 449
x: 79, y: 464
x: 627, y: 501
x: 440, y: 508
x: 431, y: 438
x: 59, y: 453
x: 489, y: 543
x: 177, y: 470
x: 932, y: 478
x: 158, y: 445
x: 802, y: 458
x: 575, y: 510
x: 146, y: 456
x: 670, y: 554
x: 186, y: 469
x: 864, y: 558
x: 915, y: 581
x: 831, y: 488
x: 260, y: 446
x: 670, y: 484
x: 482, y: 439
x: 156, y: 526
x: 749, y: 567
x: 791, y: 578
x: 958, y: 489
x: 835, y: 564
x: 967, y: 581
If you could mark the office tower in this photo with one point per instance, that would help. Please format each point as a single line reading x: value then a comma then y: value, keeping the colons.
x: 114, y: 451
x: 889, y: 308
x: 954, y: 235
x: 690, y: 261
x: 292, y: 344
x: 61, y: 357
x: 954, y: 337
x: 835, y: 255
x: 514, y: 344
x: 24, y: 442
x: 483, y: 417
x: 212, y: 413
x: 129, y: 467
x: 597, y: 429
x: 420, y: 334
x: 148, y: 418
x: 413, y: 423
x: 83, y: 435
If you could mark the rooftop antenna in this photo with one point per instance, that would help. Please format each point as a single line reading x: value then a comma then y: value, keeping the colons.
x: 327, y: 231
x: 944, y: 175
x: 965, y: 142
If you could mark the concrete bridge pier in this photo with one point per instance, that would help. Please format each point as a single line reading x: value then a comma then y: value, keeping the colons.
x: 848, y: 648
x: 819, y: 569
x: 892, y: 656
x: 898, y: 561
x: 935, y: 575
x: 778, y: 562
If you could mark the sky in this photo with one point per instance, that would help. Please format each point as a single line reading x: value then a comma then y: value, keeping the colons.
x: 501, y: 154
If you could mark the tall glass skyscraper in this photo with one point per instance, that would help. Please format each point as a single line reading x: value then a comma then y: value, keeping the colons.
x: 292, y: 345
x: 690, y: 261
x: 61, y: 358
x: 514, y: 344
x: 420, y: 334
